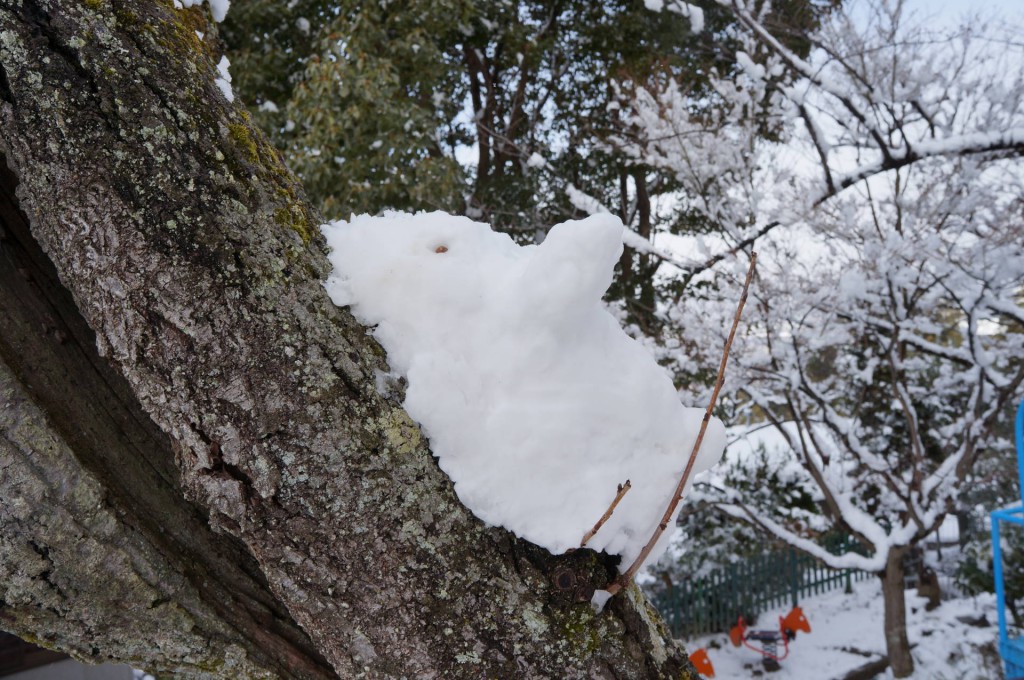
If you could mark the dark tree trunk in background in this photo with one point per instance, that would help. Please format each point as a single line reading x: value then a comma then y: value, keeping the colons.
x: 635, y: 278
x: 197, y: 473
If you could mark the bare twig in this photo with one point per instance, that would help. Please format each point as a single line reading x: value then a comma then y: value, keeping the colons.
x: 677, y: 496
x: 623, y: 488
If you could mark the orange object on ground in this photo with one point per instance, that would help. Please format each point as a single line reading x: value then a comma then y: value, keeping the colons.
x: 702, y: 663
x: 794, y: 621
x: 738, y: 633
x: 769, y: 639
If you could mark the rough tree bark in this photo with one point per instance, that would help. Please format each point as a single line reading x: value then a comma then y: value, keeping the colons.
x: 896, y: 643
x: 235, y: 497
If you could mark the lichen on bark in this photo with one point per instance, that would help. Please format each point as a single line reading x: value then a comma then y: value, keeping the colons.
x: 70, y: 568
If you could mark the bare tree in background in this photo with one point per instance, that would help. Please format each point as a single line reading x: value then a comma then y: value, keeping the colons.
x: 888, y: 217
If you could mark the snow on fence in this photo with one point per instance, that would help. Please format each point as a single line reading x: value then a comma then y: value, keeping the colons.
x: 712, y: 603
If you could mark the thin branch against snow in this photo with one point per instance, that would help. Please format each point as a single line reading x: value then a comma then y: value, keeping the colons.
x: 620, y: 493
x: 677, y: 496
x: 820, y: 145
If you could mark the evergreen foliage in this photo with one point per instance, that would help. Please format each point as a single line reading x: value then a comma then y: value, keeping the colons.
x: 488, y: 108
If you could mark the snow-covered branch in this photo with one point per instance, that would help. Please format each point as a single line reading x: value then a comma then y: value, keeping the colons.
x: 863, y: 105
x: 849, y: 560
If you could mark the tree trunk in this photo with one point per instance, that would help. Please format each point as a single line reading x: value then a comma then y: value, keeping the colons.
x: 896, y: 643
x: 235, y: 498
x: 645, y: 272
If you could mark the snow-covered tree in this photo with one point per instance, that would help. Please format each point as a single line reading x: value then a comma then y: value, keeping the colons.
x: 199, y: 473
x: 888, y: 218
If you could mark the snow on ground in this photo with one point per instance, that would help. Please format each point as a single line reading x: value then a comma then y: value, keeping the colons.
x: 536, y: 402
x: 846, y: 633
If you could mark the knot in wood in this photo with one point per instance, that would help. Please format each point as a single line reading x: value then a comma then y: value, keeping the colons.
x: 564, y: 580
x: 575, y: 576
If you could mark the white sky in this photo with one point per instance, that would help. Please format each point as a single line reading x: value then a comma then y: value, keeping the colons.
x: 959, y: 6
x: 951, y: 10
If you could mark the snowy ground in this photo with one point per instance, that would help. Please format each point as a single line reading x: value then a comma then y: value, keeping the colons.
x: 846, y: 633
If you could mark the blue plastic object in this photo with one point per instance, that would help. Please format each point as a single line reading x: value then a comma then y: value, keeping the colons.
x: 1011, y: 649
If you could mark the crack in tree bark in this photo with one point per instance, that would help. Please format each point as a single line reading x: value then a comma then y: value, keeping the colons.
x: 111, y: 436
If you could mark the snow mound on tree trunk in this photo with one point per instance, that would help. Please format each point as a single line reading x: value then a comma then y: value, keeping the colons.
x: 536, y: 402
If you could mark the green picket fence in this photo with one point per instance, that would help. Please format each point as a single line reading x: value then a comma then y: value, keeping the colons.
x: 712, y: 603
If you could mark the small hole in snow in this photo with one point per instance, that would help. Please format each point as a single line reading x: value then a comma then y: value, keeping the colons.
x: 441, y: 249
